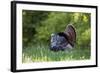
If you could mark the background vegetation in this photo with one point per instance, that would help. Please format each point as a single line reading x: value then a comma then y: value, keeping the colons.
x: 39, y: 25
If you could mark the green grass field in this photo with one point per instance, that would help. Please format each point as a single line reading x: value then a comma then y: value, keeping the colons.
x: 42, y: 53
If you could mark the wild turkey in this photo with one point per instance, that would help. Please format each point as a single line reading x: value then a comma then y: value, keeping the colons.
x: 63, y: 40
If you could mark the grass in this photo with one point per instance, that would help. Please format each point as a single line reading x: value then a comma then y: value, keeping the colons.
x: 42, y: 53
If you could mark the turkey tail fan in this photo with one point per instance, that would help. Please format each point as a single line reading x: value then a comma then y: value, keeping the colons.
x: 71, y: 34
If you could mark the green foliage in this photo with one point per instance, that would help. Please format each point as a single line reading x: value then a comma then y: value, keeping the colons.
x: 39, y: 25
x: 51, y: 25
x: 31, y: 19
x: 84, y: 40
